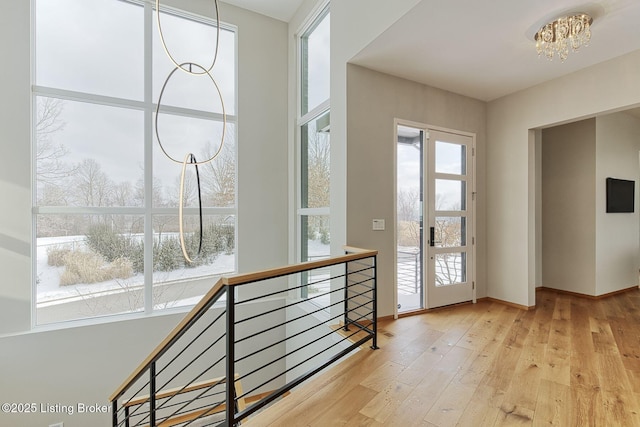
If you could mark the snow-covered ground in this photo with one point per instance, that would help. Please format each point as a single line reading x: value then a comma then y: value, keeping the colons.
x: 50, y: 292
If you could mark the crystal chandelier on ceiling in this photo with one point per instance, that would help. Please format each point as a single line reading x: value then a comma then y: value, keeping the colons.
x: 568, y: 31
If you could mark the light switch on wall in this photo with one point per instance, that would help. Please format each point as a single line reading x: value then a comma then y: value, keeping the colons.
x: 378, y: 224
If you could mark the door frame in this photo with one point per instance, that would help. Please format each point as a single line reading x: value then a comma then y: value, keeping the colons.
x: 472, y: 207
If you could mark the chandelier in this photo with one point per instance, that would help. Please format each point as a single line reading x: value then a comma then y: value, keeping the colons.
x: 568, y: 31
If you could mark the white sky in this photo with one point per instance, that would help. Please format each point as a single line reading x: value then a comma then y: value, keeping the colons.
x: 319, y: 63
x: 97, y: 47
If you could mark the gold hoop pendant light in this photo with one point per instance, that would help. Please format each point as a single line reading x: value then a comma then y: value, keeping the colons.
x: 224, y: 114
x: 189, y: 159
x: 166, y: 49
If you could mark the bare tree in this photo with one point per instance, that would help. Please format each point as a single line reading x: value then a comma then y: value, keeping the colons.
x: 53, y: 195
x: 318, y: 169
x: 93, y: 186
x: 409, y: 218
x: 51, y: 170
x: 123, y: 194
x: 448, y: 234
x: 318, y: 178
x: 48, y: 120
x: 139, y: 193
x: 219, y: 176
x: 190, y: 194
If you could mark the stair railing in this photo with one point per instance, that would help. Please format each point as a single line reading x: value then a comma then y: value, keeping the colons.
x: 252, y: 339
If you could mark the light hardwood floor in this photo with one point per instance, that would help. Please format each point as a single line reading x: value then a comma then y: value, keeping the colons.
x: 570, y: 362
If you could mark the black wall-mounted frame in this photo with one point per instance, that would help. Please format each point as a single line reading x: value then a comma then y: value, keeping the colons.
x: 620, y: 195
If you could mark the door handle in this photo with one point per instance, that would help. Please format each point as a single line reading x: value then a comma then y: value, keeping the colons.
x: 432, y: 236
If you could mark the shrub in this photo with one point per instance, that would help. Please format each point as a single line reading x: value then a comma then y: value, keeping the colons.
x: 227, y: 235
x: 167, y: 254
x: 113, y: 246
x: 207, y: 253
x: 105, y: 241
x: 136, y: 256
x: 324, y: 236
x: 82, y: 267
x: 55, y: 256
x: 89, y: 267
x: 120, y: 268
x: 69, y: 278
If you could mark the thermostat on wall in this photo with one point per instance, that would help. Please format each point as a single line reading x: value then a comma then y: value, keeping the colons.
x: 378, y: 224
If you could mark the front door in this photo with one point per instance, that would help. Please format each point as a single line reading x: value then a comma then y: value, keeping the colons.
x: 449, y: 218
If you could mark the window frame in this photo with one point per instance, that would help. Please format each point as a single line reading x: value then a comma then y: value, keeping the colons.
x: 148, y: 106
x: 302, y: 119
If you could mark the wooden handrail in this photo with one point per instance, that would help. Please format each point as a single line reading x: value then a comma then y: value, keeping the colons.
x: 239, y: 279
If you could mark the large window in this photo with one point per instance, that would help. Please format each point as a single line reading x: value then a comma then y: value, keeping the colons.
x: 105, y: 195
x: 314, y: 147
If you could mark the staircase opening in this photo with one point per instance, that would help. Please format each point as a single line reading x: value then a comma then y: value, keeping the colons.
x: 250, y: 341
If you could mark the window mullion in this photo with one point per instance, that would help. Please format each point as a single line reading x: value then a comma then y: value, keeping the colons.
x: 148, y: 158
x: 316, y: 112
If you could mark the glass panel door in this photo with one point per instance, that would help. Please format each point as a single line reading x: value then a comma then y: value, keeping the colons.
x: 449, y: 188
x: 409, y: 218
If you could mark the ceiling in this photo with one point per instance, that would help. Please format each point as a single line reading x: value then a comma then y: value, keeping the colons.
x: 278, y: 9
x: 484, y: 48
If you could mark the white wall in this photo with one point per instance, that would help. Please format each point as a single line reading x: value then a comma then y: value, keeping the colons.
x: 83, y: 363
x: 511, y: 212
x: 15, y: 184
x: 569, y: 207
x: 617, y: 248
x: 374, y: 100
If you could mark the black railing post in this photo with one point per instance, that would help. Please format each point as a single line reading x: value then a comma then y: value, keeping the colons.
x: 126, y: 416
x: 114, y: 414
x: 230, y: 380
x: 152, y: 394
x: 375, y: 303
x: 346, y: 296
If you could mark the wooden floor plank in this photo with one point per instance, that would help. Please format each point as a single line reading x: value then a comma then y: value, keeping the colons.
x: 483, y: 408
x: 449, y: 407
x: 583, y: 356
x: 380, y: 378
x: 557, y: 359
x: 554, y: 404
x: 342, y: 410
x: 424, y: 395
x: 523, y: 389
x: 385, y: 403
x: 359, y: 420
x: 570, y: 362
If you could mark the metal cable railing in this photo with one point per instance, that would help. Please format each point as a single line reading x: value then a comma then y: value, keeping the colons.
x: 250, y: 341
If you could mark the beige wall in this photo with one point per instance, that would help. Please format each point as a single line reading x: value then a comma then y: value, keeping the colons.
x: 568, y: 207
x: 84, y: 364
x: 354, y: 24
x: 617, y: 234
x: 374, y: 100
x: 585, y: 249
x: 511, y: 162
